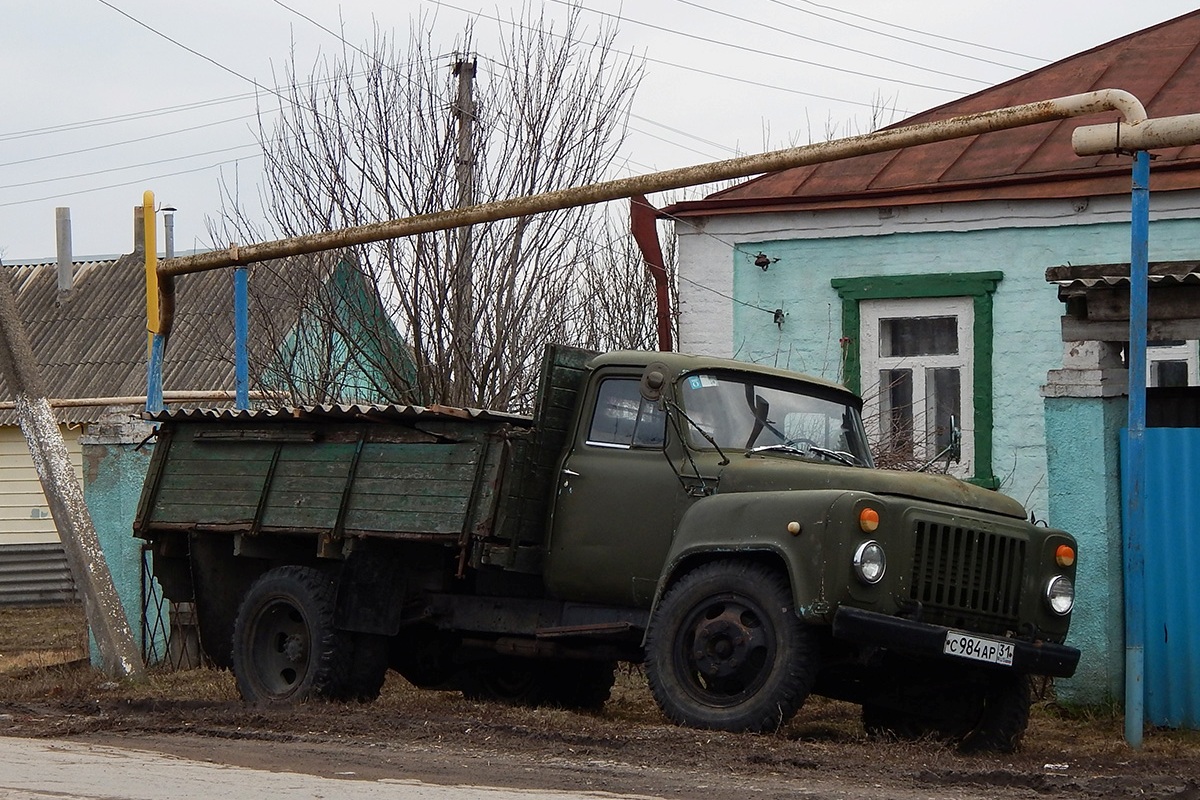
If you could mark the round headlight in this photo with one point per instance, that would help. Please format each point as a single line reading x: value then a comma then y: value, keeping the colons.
x: 1060, y: 595
x: 870, y: 562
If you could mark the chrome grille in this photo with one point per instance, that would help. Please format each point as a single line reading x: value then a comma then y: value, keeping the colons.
x: 969, y: 576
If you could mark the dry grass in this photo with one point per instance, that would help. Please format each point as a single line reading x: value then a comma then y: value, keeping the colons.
x: 41, y: 636
x: 43, y: 656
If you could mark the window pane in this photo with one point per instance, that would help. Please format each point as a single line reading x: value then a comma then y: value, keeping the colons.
x: 1170, y: 373
x: 918, y: 336
x: 943, y: 407
x: 616, y: 412
x: 896, y: 414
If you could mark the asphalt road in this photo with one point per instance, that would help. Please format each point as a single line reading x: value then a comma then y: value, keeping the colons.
x: 45, y: 769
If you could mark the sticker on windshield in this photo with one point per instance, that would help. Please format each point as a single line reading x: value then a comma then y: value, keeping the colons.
x: 701, y: 382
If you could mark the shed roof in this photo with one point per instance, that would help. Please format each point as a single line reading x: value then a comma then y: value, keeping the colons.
x: 91, y: 340
x: 1159, y: 65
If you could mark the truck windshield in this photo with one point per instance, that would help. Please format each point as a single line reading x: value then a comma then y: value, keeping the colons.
x: 740, y: 414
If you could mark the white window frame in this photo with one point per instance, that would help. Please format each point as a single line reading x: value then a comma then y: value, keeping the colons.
x: 1188, y: 351
x: 871, y: 363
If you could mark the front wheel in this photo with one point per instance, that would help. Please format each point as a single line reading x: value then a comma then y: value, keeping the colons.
x: 285, y: 646
x: 727, y: 651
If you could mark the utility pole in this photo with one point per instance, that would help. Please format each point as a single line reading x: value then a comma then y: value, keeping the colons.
x: 102, y: 605
x: 462, y: 294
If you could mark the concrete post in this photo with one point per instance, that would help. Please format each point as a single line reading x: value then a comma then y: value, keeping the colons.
x: 1085, y: 409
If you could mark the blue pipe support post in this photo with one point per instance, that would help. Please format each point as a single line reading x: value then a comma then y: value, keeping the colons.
x: 241, y: 335
x: 154, y: 374
x: 1134, y: 551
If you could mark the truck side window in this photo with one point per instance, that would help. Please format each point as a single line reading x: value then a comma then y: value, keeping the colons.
x: 623, y: 419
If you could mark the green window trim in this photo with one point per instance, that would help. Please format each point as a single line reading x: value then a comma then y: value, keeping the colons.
x: 978, y: 285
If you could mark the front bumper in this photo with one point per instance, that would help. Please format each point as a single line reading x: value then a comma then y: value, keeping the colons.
x: 926, y: 641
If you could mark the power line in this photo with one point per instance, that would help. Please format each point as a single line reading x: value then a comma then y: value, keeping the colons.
x: 743, y: 48
x: 127, y: 141
x: 795, y: 35
x: 210, y: 60
x: 130, y: 117
x: 690, y: 149
x: 910, y: 30
x: 733, y: 150
x: 123, y: 184
x: 697, y: 70
x: 128, y: 167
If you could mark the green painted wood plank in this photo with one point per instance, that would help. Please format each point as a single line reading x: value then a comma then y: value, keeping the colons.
x: 433, y: 488
x: 415, y: 472
x: 425, y: 522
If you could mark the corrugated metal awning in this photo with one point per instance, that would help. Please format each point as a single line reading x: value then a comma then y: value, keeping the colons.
x: 356, y: 412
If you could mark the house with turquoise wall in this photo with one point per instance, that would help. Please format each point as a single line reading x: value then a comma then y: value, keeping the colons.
x: 918, y: 277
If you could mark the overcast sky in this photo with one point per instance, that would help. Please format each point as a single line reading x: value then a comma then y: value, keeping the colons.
x: 98, y: 108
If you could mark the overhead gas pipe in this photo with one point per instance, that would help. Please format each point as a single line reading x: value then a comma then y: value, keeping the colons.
x: 891, y: 139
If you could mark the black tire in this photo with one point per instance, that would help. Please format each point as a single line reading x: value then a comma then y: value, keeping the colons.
x: 576, y: 685
x: 285, y: 647
x: 515, y: 681
x: 727, y: 651
x: 1003, y: 718
x: 579, y: 685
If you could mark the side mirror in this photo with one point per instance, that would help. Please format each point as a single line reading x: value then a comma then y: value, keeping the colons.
x: 654, y: 381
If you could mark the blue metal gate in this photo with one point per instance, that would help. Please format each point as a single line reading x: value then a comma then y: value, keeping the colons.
x: 1172, y: 558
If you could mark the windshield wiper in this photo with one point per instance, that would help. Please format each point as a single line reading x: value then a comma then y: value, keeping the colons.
x: 786, y: 448
x: 836, y: 455
x: 849, y: 459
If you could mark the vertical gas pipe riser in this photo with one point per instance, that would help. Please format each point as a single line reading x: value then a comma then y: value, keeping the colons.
x: 1135, y: 597
x: 241, y: 335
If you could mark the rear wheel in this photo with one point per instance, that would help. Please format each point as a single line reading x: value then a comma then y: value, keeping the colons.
x: 727, y: 651
x: 285, y: 647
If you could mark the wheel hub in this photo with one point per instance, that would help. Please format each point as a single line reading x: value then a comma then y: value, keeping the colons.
x: 294, y: 649
x: 720, y: 647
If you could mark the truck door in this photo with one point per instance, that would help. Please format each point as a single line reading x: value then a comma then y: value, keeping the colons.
x: 616, y: 501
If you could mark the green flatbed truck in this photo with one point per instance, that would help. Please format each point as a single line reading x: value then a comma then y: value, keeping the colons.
x: 720, y: 522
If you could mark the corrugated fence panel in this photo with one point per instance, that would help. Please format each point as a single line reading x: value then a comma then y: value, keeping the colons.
x: 1172, y: 551
x: 35, y: 574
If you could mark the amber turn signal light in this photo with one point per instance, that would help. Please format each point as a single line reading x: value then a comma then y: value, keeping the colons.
x: 1064, y: 556
x: 868, y: 520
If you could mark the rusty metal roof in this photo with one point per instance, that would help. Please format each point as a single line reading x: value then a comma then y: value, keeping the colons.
x: 1159, y: 65
x: 91, y: 340
x: 356, y: 412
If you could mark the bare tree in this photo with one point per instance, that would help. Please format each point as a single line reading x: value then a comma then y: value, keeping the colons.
x: 392, y: 131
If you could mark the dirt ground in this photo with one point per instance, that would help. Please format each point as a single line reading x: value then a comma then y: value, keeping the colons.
x: 47, y: 691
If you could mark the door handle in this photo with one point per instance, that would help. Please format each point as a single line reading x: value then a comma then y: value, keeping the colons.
x: 570, y: 473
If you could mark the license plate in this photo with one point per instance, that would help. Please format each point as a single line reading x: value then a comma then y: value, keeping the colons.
x: 963, y: 645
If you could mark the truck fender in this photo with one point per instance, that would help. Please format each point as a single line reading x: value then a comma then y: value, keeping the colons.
x: 759, y: 524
